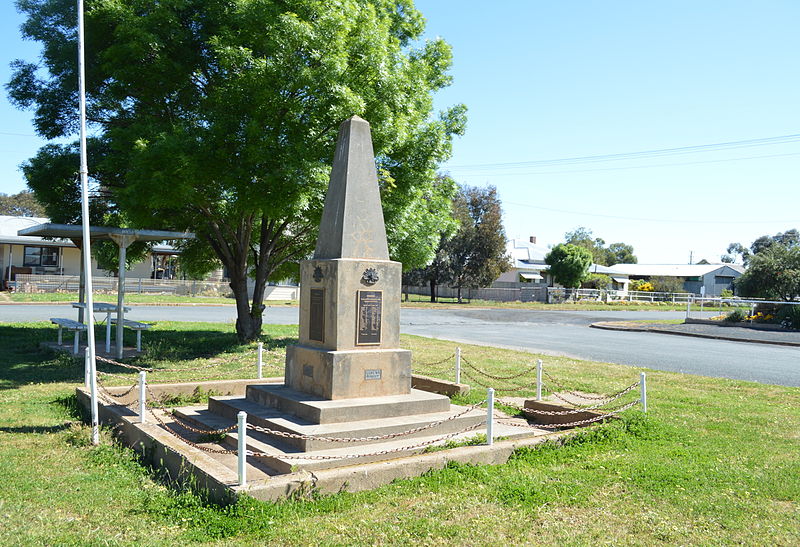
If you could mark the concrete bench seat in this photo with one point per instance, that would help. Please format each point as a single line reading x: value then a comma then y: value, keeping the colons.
x: 69, y: 324
x: 134, y: 325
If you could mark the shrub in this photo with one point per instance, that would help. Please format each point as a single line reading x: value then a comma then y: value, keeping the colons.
x: 726, y: 293
x: 597, y: 281
x: 736, y: 316
x: 789, y: 316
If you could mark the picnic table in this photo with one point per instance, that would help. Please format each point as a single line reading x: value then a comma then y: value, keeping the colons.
x: 108, y: 309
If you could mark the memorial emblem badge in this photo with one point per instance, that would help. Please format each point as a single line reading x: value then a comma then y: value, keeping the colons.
x: 370, y: 276
x: 318, y: 275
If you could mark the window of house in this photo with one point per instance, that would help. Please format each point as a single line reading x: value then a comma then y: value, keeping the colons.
x: 41, y: 256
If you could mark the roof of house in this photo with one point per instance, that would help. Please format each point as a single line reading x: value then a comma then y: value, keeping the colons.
x: 673, y: 270
x: 10, y: 225
x: 525, y: 254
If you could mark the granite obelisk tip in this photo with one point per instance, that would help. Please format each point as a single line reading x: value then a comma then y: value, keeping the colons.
x: 352, y: 221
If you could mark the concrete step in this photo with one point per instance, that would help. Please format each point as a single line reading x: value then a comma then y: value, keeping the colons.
x: 257, y: 415
x: 323, y: 411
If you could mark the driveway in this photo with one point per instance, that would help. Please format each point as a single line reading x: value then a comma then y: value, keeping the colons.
x: 548, y: 332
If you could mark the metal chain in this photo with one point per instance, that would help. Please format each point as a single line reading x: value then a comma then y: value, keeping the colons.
x: 573, y: 393
x: 484, y: 373
x: 527, y: 410
x: 436, y: 362
x: 612, y: 412
x: 193, y: 429
x: 187, y: 441
x: 288, y: 435
x: 378, y: 453
x: 606, y: 398
x: 116, y: 395
x: 515, y: 389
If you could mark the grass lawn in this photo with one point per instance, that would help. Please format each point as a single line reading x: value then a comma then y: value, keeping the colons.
x: 416, y: 301
x: 714, y: 462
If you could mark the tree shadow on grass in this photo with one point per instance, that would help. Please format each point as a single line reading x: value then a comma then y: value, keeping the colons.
x: 23, y: 361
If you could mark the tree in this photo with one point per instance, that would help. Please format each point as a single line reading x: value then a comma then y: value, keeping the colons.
x: 615, y: 253
x: 620, y: 253
x: 21, y: 204
x: 789, y: 238
x: 220, y: 117
x: 664, y: 283
x: 596, y: 281
x: 772, y: 273
x: 569, y: 264
x: 477, y: 252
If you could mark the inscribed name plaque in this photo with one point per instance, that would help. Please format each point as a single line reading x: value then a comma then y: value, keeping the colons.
x: 369, y: 317
x: 316, y: 323
x: 373, y: 374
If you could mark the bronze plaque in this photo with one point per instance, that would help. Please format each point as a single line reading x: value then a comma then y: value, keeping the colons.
x: 369, y: 317
x: 316, y: 316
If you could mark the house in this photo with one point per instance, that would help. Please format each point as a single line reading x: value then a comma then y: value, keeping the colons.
x: 528, y: 268
x: 527, y: 265
x: 713, y: 277
x: 36, y: 255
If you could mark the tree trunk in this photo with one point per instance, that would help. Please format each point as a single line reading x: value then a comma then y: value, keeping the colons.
x: 459, y: 294
x: 248, y: 324
x: 433, y: 290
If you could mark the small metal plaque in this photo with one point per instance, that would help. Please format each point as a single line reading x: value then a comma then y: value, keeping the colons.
x: 372, y: 374
x: 316, y: 316
x: 308, y: 370
x: 370, y: 304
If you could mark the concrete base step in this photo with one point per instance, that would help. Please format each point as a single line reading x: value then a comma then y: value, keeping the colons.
x: 229, y: 407
x: 324, y: 411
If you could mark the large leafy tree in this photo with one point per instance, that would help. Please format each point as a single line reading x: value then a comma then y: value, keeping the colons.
x: 477, y: 251
x: 21, y: 204
x: 615, y: 253
x: 773, y: 267
x: 220, y: 116
x: 569, y: 264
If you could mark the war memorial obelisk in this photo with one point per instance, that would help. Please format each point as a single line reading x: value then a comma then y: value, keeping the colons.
x: 350, y: 290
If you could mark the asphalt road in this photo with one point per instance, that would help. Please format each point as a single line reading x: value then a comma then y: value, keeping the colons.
x: 548, y: 332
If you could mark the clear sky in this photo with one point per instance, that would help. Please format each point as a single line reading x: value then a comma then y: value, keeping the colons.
x: 548, y: 81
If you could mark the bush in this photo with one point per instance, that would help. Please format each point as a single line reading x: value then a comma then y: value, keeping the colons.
x: 789, y: 316
x: 597, y: 281
x: 667, y: 284
x: 726, y: 293
x: 736, y: 316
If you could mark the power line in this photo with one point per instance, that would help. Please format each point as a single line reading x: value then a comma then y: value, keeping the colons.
x: 651, y: 166
x: 17, y: 134
x: 648, y: 219
x: 712, y: 147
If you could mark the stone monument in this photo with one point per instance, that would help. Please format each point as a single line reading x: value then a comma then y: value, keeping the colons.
x: 350, y: 290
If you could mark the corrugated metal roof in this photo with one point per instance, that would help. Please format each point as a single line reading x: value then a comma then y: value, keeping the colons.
x: 672, y: 270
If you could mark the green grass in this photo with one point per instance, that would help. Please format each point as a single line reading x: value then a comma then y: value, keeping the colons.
x: 714, y: 462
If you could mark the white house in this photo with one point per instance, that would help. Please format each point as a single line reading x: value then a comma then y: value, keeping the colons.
x: 714, y: 277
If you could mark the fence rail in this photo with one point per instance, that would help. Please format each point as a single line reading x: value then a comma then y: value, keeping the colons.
x: 551, y: 295
x: 38, y: 283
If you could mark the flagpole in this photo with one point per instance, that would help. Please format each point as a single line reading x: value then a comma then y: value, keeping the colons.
x: 87, y: 254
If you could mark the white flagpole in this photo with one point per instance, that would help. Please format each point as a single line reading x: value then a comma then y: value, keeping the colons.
x: 87, y: 251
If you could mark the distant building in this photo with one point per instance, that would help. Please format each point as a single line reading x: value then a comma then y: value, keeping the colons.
x: 714, y: 277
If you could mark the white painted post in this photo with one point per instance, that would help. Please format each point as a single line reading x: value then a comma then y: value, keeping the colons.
x: 138, y: 341
x: 260, y: 360
x: 95, y: 412
x: 458, y: 365
x: 142, y: 396
x: 60, y: 335
x: 242, y: 452
x: 688, y: 306
x: 87, y: 370
x: 76, y: 344
x: 643, y: 390
x: 539, y: 380
x: 490, y: 416
x: 108, y: 333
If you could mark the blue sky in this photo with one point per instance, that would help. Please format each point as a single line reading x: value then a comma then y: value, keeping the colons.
x: 553, y: 80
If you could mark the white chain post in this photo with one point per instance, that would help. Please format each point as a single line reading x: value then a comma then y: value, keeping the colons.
x: 490, y: 416
x: 458, y: 365
x: 260, y: 360
x: 688, y: 306
x: 87, y: 369
x: 643, y: 390
x: 242, y: 452
x: 142, y: 396
x: 539, y: 380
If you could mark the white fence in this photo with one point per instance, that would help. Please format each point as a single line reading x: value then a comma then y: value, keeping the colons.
x: 551, y: 295
x: 33, y: 283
